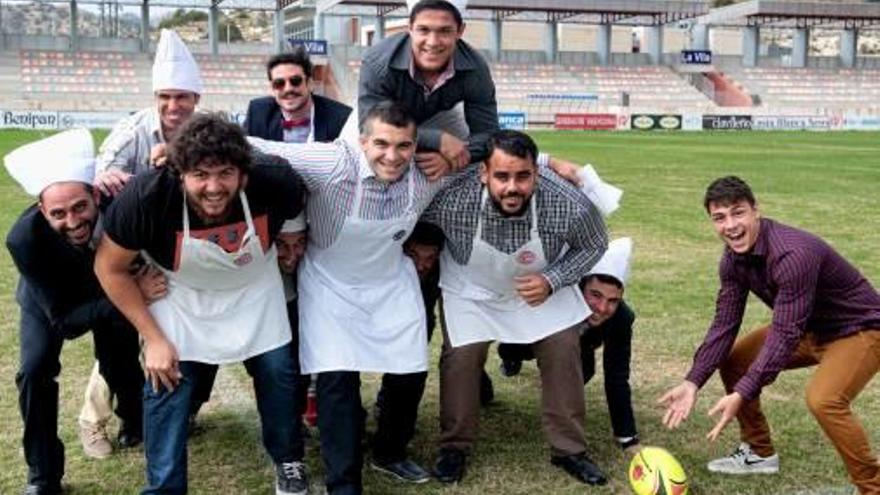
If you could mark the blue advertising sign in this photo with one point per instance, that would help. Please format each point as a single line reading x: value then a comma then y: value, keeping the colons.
x: 512, y: 120
x: 696, y: 56
x: 313, y: 47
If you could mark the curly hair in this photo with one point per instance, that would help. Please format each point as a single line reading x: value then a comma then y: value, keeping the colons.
x: 208, y: 137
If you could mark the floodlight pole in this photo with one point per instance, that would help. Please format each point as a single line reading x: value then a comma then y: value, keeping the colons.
x: 603, y: 43
x: 74, y: 26
x: 800, y: 47
x: 849, y: 47
x: 213, y: 18
x: 751, y: 36
x: 145, y: 27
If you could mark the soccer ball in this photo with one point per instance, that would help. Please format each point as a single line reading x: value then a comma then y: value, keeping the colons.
x: 653, y: 471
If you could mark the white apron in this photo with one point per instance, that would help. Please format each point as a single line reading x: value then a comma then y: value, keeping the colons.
x: 223, y: 307
x: 360, y: 306
x: 480, y: 302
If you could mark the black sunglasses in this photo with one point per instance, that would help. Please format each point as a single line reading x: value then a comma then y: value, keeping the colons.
x: 295, y: 81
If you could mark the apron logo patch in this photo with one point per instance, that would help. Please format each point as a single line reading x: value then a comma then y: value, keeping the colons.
x: 399, y: 235
x: 526, y: 257
x: 243, y: 259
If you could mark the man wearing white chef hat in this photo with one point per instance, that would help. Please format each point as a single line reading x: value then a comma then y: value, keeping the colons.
x: 518, y: 239
x: 52, y: 246
x: 609, y: 325
x: 137, y: 143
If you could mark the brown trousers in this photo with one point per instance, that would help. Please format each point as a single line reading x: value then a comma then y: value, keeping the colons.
x: 562, y: 392
x: 845, y: 366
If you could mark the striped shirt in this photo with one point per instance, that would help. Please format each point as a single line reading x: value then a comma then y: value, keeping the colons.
x: 809, y: 286
x: 331, y: 171
x: 128, y: 146
x: 566, y: 219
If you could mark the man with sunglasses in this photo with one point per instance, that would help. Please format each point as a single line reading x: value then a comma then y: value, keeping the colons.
x: 293, y: 114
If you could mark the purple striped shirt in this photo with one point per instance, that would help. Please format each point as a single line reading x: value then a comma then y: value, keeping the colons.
x: 809, y: 286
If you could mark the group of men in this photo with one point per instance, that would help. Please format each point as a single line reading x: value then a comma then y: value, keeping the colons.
x: 301, y: 254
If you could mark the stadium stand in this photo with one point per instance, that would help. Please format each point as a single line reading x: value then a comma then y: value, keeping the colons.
x: 822, y: 89
x: 588, y: 88
x: 110, y: 81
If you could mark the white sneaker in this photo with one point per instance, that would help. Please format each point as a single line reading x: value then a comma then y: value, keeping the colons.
x: 744, y: 461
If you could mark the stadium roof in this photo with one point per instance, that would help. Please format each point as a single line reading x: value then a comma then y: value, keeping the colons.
x: 777, y: 13
x: 196, y: 4
x: 631, y: 12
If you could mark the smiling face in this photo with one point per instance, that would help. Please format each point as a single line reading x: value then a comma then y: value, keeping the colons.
x: 175, y: 107
x: 434, y: 34
x: 389, y: 149
x: 510, y: 180
x: 737, y: 224
x: 71, y: 210
x: 291, y: 248
x: 291, y: 87
x: 211, y: 187
x: 603, y: 299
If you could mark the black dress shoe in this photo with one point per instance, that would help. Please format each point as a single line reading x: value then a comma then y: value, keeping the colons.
x: 487, y: 390
x: 405, y: 470
x: 450, y: 465
x: 129, y: 436
x: 582, y: 468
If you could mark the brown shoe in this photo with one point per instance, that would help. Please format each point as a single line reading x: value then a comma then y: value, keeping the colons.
x: 94, y: 441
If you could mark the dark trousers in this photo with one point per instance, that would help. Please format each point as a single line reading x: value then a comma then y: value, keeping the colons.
x: 166, y: 412
x: 116, y: 349
x: 398, y: 405
x: 341, y: 424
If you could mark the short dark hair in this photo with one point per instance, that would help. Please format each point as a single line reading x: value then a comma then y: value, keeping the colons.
x: 513, y: 143
x: 727, y: 191
x: 208, y: 136
x: 601, y: 277
x: 388, y: 112
x: 436, y: 5
x: 298, y: 56
x: 427, y: 234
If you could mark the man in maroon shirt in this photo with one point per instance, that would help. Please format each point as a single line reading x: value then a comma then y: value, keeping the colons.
x: 825, y: 313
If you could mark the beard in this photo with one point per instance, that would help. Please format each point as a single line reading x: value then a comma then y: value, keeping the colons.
x: 497, y: 202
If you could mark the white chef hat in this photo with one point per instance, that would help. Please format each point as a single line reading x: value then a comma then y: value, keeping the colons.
x: 605, y: 196
x: 68, y: 156
x: 174, y: 66
x: 460, y: 5
x: 294, y: 225
x: 616, y: 260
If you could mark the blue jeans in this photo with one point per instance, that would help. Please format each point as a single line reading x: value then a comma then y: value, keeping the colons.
x: 166, y: 413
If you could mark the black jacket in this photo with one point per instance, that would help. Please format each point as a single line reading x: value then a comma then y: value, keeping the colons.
x: 264, y: 118
x: 57, y: 280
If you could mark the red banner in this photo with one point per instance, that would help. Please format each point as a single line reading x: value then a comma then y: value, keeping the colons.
x: 586, y: 121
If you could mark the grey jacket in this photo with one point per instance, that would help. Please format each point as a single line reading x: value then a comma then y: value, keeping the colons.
x: 385, y: 76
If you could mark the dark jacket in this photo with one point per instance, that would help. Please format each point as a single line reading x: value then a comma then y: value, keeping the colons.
x: 264, y: 118
x: 57, y: 279
x: 385, y: 76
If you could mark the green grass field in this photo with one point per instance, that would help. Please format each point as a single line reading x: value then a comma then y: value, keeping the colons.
x: 822, y: 182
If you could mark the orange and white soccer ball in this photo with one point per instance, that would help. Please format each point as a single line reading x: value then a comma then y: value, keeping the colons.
x: 654, y: 471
